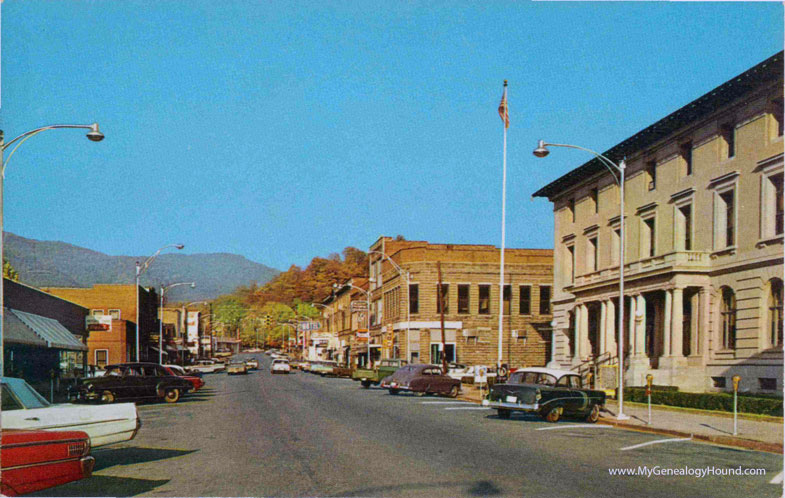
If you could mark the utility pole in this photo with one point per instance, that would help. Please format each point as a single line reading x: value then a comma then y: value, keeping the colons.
x: 441, y: 314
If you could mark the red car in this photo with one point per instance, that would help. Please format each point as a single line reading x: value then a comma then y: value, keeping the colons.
x: 197, y: 382
x: 36, y: 460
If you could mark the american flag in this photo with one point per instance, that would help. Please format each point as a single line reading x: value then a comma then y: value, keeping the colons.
x: 503, y: 110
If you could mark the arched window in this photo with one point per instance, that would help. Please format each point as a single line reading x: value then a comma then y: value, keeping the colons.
x: 728, y: 318
x: 775, y: 312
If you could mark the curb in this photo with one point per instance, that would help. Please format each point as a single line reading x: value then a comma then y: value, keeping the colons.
x: 713, y: 413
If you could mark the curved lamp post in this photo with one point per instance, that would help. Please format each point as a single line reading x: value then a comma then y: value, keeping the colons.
x: 140, y: 269
x: 161, y: 319
x: 542, y: 151
x: 401, y: 272
x: 94, y: 134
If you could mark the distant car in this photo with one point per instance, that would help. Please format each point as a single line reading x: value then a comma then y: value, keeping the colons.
x: 421, y: 379
x: 223, y: 353
x: 548, y: 392
x: 24, y: 408
x: 131, y: 381
x: 203, y: 366
x: 236, y: 367
x: 252, y: 363
x: 323, y: 368
x: 280, y: 366
x: 220, y: 364
x: 177, y: 370
x: 33, y: 460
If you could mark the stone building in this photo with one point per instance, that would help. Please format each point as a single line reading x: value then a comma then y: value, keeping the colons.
x: 405, y: 319
x: 704, y: 248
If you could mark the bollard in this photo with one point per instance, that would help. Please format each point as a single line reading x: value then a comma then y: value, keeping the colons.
x: 736, y: 380
x: 649, y: 378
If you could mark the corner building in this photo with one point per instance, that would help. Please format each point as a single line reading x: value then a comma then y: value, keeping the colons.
x: 704, y: 245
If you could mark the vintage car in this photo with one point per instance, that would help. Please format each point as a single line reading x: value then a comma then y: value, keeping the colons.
x: 236, y: 367
x: 368, y: 376
x: 131, y: 381
x: 252, y: 363
x: 280, y: 366
x: 343, y: 371
x: 548, y: 392
x: 179, y: 371
x: 33, y: 460
x: 24, y: 408
x: 422, y: 379
x: 323, y: 367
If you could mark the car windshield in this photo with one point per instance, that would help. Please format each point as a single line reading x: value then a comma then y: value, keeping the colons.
x: 20, y: 391
x: 533, y: 378
x: 113, y: 372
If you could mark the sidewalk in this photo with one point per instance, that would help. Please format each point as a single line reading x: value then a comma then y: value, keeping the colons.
x: 760, y: 435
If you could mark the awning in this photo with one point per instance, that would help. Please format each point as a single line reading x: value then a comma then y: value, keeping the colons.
x: 16, y: 332
x: 156, y: 350
x: 50, y: 331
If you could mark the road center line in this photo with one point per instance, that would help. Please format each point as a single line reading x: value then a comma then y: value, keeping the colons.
x: 659, y: 441
x: 595, y: 426
x: 468, y: 408
x: 777, y: 479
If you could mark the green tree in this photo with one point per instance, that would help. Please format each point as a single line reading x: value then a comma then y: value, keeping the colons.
x: 228, y: 311
x: 9, y: 272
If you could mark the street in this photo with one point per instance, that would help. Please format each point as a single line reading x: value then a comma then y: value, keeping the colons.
x: 304, y: 435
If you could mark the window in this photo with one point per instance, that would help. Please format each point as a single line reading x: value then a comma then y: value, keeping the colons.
x: 728, y: 316
x: 436, y: 356
x: 616, y: 245
x: 97, y: 312
x: 484, y: 305
x: 545, y: 299
x: 593, y: 255
x: 414, y: 298
x: 767, y: 383
x: 507, y: 299
x: 571, y: 263
x: 115, y: 314
x: 684, y: 227
x: 525, y: 300
x: 651, y: 175
x: 775, y: 312
x: 649, y: 239
x: 593, y: 195
x: 686, y: 155
x: 771, y: 205
x: 728, y: 133
x: 101, y: 357
x: 776, y: 182
x: 727, y: 209
x: 8, y: 401
x: 463, y: 299
x: 719, y: 382
x: 444, y: 299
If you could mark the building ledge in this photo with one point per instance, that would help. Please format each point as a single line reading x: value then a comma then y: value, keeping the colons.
x: 768, y: 242
x: 728, y: 251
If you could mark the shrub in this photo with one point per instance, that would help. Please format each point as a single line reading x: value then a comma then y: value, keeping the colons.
x: 707, y: 401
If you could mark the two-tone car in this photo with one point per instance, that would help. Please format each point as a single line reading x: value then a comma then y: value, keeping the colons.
x: 548, y: 392
x: 236, y: 367
x: 131, y: 381
x: 421, y: 379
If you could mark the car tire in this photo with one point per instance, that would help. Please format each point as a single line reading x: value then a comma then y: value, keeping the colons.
x: 172, y: 395
x: 594, y: 414
x: 504, y: 414
x: 366, y: 383
x: 394, y: 391
x: 553, y: 415
x: 453, y: 392
x: 108, y: 397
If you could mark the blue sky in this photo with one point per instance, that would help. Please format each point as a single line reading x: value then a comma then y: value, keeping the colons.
x: 287, y: 130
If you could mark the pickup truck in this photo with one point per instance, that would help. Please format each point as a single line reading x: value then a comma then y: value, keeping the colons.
x: 367, y: 376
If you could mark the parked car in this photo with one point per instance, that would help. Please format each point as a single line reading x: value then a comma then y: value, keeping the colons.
x: 342, y: 371
x: 472, y: 374
x: 24, y: 408
x: 252, y: 363
x: 177, y: 370
x: 33, y: 460
x: 323, y: 368
x: 280, y: 366
x: 549, y: 392
x: 131, y: 381
x: 374, y: 376
x: 422, y: 379
x: 223, y: 353
x: 220, y: 364
x: 236, y: 367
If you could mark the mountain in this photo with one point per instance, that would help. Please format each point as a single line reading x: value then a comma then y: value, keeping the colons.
x: 57, y: 264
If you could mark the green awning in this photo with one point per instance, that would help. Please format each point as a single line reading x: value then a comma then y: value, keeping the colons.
x: 50, y: 332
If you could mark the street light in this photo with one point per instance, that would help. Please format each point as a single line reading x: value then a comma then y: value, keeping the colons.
x: 401, y: 271
x: 161, y: 318
x: 542, y: 151
x: 140, y: 269
x: 367, y: 315
x: 94, y: 134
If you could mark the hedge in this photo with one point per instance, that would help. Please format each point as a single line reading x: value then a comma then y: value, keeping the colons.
x: 707, y: 401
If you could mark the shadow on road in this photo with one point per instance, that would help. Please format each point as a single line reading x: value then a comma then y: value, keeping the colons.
x: 132, y: 455
x: 104, y: 486
x: 465, y: 488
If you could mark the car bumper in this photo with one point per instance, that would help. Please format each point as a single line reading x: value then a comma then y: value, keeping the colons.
x: 511, y: 406
x: 87, y: 463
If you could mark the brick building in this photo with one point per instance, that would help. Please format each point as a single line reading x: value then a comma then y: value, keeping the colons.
x: 405, y: 315
x: 342, y: 323
x: 113, y: 307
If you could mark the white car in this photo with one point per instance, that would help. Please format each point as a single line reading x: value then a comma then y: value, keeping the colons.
x: 24, y: 408
x: 205, y: 366
x: 280, y: 366
x: 475, y: 374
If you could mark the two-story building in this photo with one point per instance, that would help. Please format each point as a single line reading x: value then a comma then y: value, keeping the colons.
x: 346, y: 324
x: 703, y: 246
x: 405, y: 315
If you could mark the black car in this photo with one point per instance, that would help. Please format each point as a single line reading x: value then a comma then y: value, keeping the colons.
x: 548, y: 392
x: 131, y: 381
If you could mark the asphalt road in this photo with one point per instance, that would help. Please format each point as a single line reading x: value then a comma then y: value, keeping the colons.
x: 304, y: 435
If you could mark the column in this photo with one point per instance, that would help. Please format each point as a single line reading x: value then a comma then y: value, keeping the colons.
x: 603, y: 327
x: 632, y: 330
x: 695, y: 325
x: 705, y: 311
x: 585, y: 344
x: 610, y: 341
x: 576, y: 347
x: 640, y: 330
x: 677, y: 324
x: 666, y: 331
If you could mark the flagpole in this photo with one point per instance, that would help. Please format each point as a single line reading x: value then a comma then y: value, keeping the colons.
x: 505, y: 119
